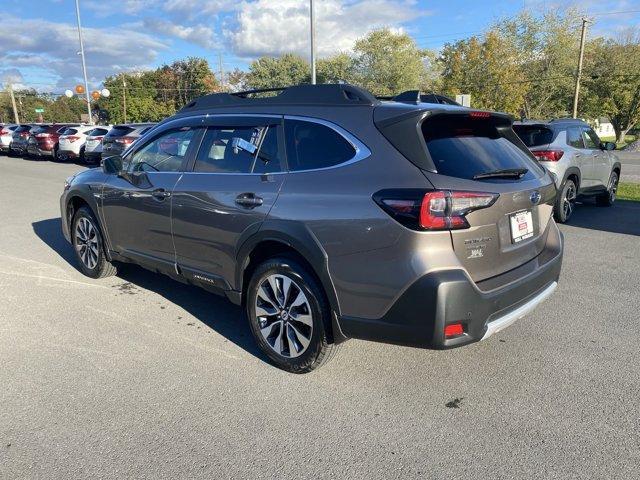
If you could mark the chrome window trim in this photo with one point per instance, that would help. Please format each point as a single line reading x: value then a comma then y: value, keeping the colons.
x: 361, y: 150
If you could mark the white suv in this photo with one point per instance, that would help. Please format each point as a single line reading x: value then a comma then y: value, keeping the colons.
x: 582, y: 164
x: 93, y: 145
x: 72, y: 142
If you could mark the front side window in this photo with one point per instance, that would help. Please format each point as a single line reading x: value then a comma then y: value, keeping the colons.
x: 165, y: 153
x: 239, y: 150
x: 312, y: 145
x: 591, y: 140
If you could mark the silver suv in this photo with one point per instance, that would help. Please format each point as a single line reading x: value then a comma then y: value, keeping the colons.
x: 329, y: 214
x: 582, y: 164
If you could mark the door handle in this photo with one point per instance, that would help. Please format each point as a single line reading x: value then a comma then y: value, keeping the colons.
x: 577, y: 155
x: 160, y: 194
x: 249, y: 200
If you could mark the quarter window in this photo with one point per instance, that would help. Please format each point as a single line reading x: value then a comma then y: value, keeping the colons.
x: 312, y: 145
x: 165, y: 153
x: 239, y: 150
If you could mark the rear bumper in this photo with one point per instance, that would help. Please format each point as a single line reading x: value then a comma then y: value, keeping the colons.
x: 437, y: 299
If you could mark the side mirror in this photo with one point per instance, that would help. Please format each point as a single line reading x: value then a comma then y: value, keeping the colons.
x: 609, y: 146
x: 112, y: 165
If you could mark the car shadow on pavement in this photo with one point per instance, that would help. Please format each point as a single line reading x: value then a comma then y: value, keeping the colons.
x: 623, y: 217
x: 212, y: 311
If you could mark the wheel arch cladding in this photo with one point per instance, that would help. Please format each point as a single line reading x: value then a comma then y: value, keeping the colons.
x: 573, y: 172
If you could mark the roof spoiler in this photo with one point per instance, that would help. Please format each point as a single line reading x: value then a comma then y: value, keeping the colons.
x: 416, y: 96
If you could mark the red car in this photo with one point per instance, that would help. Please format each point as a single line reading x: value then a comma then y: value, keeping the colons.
x: 44, y: 140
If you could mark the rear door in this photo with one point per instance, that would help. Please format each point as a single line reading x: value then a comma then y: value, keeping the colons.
x: 228, y: 192
x: 510, y: 232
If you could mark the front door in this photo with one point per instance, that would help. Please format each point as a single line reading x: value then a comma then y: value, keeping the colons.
x: 137, y: 204
x: 235, y: 180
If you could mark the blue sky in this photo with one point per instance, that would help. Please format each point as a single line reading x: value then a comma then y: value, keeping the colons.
x: 38, y: 38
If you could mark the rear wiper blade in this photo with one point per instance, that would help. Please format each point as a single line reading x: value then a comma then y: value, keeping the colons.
x: 505, y: 173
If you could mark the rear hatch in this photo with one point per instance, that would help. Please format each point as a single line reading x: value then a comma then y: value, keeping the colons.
x: 117, y: 140
x: 478, y: 153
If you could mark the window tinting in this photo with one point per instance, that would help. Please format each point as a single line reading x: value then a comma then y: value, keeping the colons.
x: 464, y: 148
x: 69, y: 131
x: 312, y: 145
x: 96, y: 132
x: 574, y: 138
x: 534, y: 135
x: 239, y: 150
x: 165, y: 153
x: 119, y: 131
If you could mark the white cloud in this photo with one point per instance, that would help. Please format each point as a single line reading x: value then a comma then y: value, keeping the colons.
x: 197, y: 34
x: 52, y: 47
x: 275, y: 27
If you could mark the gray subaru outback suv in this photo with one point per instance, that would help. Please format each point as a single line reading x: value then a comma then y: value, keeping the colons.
x: 329, y: 214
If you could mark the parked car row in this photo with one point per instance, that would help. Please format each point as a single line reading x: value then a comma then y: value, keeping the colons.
x: 69, y: 141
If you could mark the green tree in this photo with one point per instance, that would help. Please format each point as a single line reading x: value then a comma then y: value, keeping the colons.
x: 612, y: 83
x: 388, y: 63
x: 337, y: 68
x: 271, y: 72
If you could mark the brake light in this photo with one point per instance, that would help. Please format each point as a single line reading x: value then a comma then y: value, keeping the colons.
x: 96, y: 138
x: 24, y: 134
x: 4, y: 132
x: 548, y: 155
x: 72, y: 138
x: 434, y: 210
x: 479, y: 114
x: 125, y: 140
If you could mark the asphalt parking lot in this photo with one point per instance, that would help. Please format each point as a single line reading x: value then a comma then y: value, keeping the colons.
x: 139, y: 376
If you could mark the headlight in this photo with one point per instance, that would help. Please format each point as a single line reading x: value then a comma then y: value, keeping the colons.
x: 67, y: 183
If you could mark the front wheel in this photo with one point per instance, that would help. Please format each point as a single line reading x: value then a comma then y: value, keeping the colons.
x: 89, y: 246
x: 608, y: 198
x: 565, y: 202
x: 288, y: 314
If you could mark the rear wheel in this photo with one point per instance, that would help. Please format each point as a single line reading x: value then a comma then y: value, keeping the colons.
x: 608, y: 198
x: 565, y: 202
x: 88, y: 245
x: 82, y: 156
x: 55, y: 154
x: 288, y: 314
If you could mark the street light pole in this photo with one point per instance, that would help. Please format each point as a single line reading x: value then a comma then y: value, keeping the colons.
x: 579, y: 73
x: 84, y: 65
x: 313, y: 43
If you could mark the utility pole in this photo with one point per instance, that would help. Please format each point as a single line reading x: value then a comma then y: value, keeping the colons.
x: 579, y: 74
x: 84, y: 65
x: 124, y: 97
x: 222, y: 85
x: 13, y: 104
x: 313, y: 43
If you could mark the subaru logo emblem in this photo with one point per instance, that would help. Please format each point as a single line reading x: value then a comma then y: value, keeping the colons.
x: 535, y: 197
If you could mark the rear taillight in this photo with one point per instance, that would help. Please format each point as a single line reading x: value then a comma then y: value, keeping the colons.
x: 5, y: 132
x: 72, y: 138
x: 548, y: 155
x: 125, y: 140
x: 96, y: 138
x: 434, y: 210
x: 43, y: 135
x: 24, y: 134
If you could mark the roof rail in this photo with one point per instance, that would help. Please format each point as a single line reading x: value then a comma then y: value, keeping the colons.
x: 334, y: 94
x: 416, y: 96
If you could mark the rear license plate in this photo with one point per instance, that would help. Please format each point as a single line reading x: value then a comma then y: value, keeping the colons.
x: 521, y: 226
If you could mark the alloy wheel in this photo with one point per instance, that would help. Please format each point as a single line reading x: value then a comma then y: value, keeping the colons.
x: 613, y: 188
x: 569, y: 200
x: 283, y: 315
x: 86, y: 237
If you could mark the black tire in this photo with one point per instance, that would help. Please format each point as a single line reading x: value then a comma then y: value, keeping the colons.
x: 608, y: 198
x: 565, y: 201
x: 55, y: 154
x: 82, y: 156
x: 290, y: 329
x: 91, y: 259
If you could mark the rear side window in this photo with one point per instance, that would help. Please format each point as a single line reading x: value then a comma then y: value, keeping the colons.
x: 534, y: 135
x: 464, y: 148
x: 574, y: 139
x: 239, y: 150
x: 312, y: 145
x: 120, y: 131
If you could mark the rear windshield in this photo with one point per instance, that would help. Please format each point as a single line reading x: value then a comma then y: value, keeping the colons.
x: 69, y: 131
x: 119, y: 131
x: 42, y: 129
x: 464, y: 148
x: 534, y: 135
x: 144, y: 130
x: 23, y: 128
x: 96, y: 132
